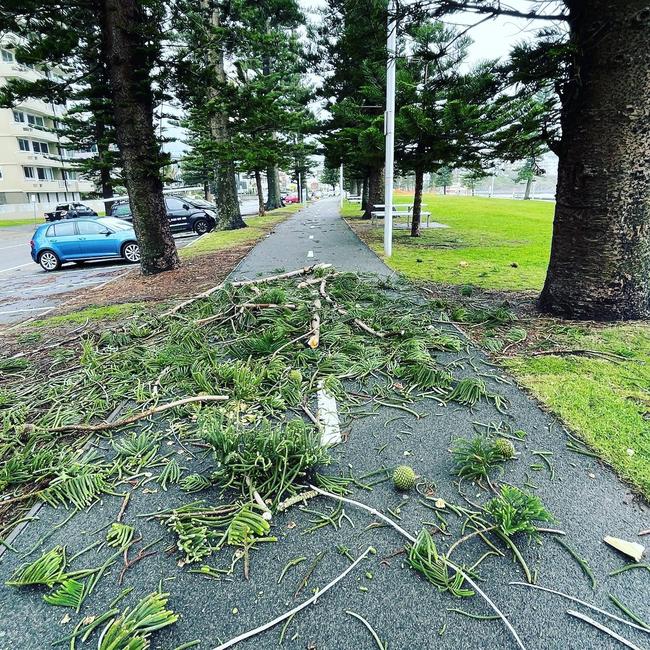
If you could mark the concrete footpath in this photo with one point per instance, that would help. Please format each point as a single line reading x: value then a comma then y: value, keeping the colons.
x: 587, y: 500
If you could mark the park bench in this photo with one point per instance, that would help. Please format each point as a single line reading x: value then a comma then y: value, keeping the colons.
x: 379, y: 212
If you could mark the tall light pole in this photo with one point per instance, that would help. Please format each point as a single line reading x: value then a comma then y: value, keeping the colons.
x: 389, y: 128
x: 341, y: 185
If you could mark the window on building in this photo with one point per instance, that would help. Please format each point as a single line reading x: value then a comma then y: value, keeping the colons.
x: 29, y: 172
x: 7, y: 56
x: 44, y: 173
x: 19, y: 116
x: 70, y: 175
x: 40, y: 147
x: 35, y: 120
x: 23, y: 144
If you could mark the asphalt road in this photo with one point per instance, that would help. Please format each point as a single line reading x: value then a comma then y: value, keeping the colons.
x: 26, y: 291
x: 586, y: 498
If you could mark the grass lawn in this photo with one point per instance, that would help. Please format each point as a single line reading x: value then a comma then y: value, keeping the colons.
x: 485, y: 238
x: 8, y: 223
x: 501, y: 245
x: 257, y: 227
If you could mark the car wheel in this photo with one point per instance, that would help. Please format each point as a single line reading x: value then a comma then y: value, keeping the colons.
x: 49, y: 261
x: 201, y: 226
x: 131, y: 252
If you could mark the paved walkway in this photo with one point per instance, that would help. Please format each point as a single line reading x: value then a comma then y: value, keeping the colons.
x: 586, y: 498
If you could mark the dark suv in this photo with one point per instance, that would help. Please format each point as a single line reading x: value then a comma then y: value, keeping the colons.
x: 184, y: 214
x: 69, y: 211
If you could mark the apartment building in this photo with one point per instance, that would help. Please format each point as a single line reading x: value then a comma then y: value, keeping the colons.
x: 36, y: 170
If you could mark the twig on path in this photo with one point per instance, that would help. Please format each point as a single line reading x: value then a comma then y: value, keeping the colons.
x: 104, y: 426
x: 242, y: 283
x: 295, y: 610
x: 581, y: 602
x: 603, y: 628
x: 125, y: 503
x: 412, y: 539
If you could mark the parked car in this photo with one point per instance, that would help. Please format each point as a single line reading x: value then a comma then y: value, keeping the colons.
x: 69, y: 211
x: 184, y: 214
x: 292, y: 198
x: 81, y: 240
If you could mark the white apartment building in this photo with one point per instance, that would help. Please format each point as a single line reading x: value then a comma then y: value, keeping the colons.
x: 36, y: 169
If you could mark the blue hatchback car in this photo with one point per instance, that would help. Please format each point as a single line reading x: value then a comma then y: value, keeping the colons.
x: 80, y: 240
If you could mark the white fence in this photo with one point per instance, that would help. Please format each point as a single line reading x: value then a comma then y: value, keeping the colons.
x: 36, y: 211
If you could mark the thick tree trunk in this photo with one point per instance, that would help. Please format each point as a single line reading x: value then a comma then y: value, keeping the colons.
x: 274, y: 200
x: 364, y: 193
x: 529, y: 183
x: 260, y: 193
x: 600, y: 254
x: 225, y: 183
x: 375, y: 191
x: 417, y: 203
x: 130, y: 86
x: 444, y: 190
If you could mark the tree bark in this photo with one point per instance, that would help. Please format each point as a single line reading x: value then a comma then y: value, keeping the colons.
x: 375, y: 191
x: 529, y: 183
x: 225, y: 183
x: 142, y: 160
x: 600, y: 255
x: 364, y: 193
x: 260, y: 193
x: 274, y: 200
x: 417, y: 202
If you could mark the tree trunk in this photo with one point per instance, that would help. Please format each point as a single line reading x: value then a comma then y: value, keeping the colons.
x: 364, y: 193
x: 225, y: 184
x: 444, y: 190
x: 529, y: 183
x: 260, y: 193
x: 600, y: 255
x: 274, y: 200
x: 375, y: 191
x: 417, y: 202
x: 122, y: 22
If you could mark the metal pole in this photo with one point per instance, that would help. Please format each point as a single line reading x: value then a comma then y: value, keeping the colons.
x: 389, y: 128
x: 341, y: 185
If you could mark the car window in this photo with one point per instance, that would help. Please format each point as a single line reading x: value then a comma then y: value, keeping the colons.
x: 90, y: 228
x: 200, y: 203
x: 50, y: 232
x: 120, y: 210
x: 116, y: 224
x: 64, y: 229
x: 174, y: 204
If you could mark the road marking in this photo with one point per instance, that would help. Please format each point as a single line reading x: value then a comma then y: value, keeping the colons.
x: 4, y: 248
x: 13, y: 268
x: 311, y: 236
x: 328, y: 417
x: 18, y: 311
x: 194, y: 242
x: 310, y: 253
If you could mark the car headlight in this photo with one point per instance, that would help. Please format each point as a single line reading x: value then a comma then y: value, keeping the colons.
x: 211, y: 213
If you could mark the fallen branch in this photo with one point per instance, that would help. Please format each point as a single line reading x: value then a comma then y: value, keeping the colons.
x: 412, y: 539
x: 583, y: 603
x: 314, y: 339
x: 242, y: 283
x: 603, y: 628
x: 104, y: 426
x: 295, y: 610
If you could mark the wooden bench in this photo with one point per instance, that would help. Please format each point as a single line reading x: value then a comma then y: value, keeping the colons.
x: 380, y: 214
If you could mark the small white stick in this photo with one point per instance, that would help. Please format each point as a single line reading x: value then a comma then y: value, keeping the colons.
x: 295, y: 610
x: 582, y: 602
x: 603, y: 628
x: 412, y: 539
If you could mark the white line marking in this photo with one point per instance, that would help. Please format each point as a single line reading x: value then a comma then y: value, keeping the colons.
x: 13, y: 268
x: 311, y: 236
x: 310, y: 253
x: 4, y: 248
x: 328, y: 417
x: 18, y: 311
x: 194, y: 242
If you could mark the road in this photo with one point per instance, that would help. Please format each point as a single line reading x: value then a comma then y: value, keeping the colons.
x: 27, y: 291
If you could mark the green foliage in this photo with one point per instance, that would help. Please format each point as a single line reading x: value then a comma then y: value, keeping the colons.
x: 468, y: 391
x: 246, y: 525
x: 46, y: 570
x: 81, y: 487
x: 70, y: 593
x: 120, y: 535
x: 423, y: 556
x: 404, y: 478
x: 171, y: 474
x: 515, y: 511
x: 477, y: 457
x: 195, y: 483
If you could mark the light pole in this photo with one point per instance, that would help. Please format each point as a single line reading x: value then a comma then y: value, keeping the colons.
x: 341, y: 186
x: 389, y: 128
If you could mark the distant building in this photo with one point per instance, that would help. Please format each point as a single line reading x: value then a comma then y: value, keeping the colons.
x: 35, y: 166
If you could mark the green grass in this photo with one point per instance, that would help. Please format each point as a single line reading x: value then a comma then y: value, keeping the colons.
x: 257, y: 227
x: 606, y: 402
x: 107, y: 312
x: 484, y: 239
x: 8, y: 223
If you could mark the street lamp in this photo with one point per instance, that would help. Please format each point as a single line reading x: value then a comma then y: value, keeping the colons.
x: 389, y: 128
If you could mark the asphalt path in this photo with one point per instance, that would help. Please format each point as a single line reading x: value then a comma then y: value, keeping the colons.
x: 27, y: 291
x: 586, y: 498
